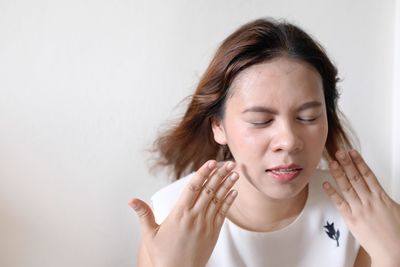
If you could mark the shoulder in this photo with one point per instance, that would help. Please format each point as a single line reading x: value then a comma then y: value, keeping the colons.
x: 164, y: 200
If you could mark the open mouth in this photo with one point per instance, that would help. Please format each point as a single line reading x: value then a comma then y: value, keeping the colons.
x: 284, y: 171
x: 284, y: 174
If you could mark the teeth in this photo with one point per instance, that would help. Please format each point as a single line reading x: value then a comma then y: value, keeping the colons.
x: 284, y: 170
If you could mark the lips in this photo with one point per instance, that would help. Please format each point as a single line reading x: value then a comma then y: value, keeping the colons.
x: 285, y: 173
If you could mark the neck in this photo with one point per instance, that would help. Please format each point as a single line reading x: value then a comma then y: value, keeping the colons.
x: 254, y: 211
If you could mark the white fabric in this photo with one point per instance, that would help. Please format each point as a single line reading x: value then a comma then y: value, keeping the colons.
x: 303, y: 243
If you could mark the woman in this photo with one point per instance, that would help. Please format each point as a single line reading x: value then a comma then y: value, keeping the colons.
x: 262, y: 118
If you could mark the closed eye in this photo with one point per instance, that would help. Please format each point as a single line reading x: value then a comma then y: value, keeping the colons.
x: 261, y: 123
x: 307, y: 120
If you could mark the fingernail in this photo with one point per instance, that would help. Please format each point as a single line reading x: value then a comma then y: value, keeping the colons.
x: 230, y: 166
x: 134, y: 206
x: 326, y: 185
x: 211, y: 165
x: 340, y: 155
x: 234, y: 176
x: 353, y: 153
x: 334, y: 165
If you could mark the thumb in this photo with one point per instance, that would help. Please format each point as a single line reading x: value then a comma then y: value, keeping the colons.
x: 145, y: 215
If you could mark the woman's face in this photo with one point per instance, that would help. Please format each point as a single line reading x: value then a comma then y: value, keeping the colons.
x: 275, y: 125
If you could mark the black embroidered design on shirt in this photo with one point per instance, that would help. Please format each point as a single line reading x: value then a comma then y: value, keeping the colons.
x: 331, y: 232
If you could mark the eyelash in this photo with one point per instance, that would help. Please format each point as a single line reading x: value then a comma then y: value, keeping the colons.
x: 262, y: 123
x: 266, y: 123
x: 307, y: 120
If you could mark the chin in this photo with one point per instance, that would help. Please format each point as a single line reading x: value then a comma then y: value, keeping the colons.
x: 283, y: 194
x: 277, y: 190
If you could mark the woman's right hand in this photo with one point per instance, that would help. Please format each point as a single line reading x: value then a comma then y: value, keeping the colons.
x: 188, y: 235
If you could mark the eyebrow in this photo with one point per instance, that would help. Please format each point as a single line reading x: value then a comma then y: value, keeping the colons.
x: 261, y: 109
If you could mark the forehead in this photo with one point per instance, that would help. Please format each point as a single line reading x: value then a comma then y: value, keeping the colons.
x: 281, y: 80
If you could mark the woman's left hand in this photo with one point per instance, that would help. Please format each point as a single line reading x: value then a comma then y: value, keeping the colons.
x: 371, y: 215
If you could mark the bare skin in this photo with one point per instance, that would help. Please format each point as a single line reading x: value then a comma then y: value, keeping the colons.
x: 371, y: 215
x: 275, y: 117
x: 188, y: 235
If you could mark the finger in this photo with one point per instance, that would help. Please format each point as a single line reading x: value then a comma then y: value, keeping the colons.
x: 353, y: 175
x: 224, y: 208
x: 344, y: 185
x: 340, y: 203
x: 369, y: 177
x: 145, y: 215
x: 210, y: 187
x: 194, y: 186
x: 220, y: 195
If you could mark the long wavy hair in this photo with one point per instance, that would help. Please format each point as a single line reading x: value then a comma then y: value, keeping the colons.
x: 184, y: 147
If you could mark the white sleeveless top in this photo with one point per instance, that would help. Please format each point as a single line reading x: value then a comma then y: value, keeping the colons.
x: 318, y: 237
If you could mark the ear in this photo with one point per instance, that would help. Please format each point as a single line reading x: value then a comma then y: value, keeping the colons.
x: 218, y: 131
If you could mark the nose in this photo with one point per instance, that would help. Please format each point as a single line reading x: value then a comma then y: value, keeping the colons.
x: 287, y: 138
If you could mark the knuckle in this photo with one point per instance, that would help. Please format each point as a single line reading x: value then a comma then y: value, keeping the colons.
x: 208, y: 190
x: 340, y: 175
x: 340, y: 204
x: 355, y: 177
x: 222, y: 214
x: 383, y: 196
x: 357, y: 159
x: 221, y: 172
x: 367, y: 172
x: 194, y: 188
x: 368, y: 206
x: 331, y: 192
x: 180, y: 214
x: 227, y: 185
x: 189, y: 221
x: 347, y: 189
x: 203, y: 174
x: 216, y: 200
x: 223, y: 210
x: 143, y: 213
x: 346, y: 162
x: 216, y: 223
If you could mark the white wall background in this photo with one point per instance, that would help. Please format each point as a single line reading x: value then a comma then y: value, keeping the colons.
x: 84, y: 86
x: 396, y: 108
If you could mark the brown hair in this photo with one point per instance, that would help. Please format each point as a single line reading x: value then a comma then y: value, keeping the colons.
x: 187, y: 145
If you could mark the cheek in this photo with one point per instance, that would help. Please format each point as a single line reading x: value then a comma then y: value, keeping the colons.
x: 242, y: 138
x: 242, y: 135
x: 319, y: 135
x: 324, y: 131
